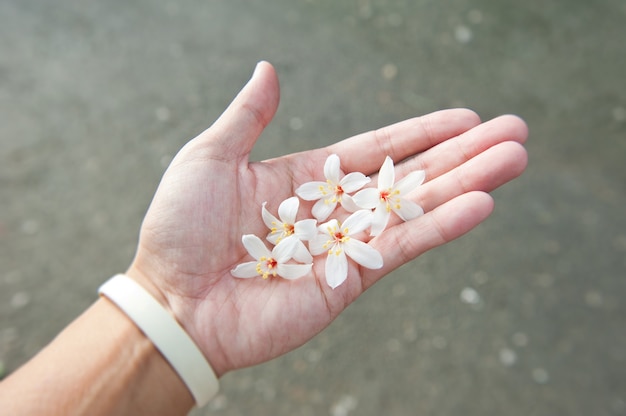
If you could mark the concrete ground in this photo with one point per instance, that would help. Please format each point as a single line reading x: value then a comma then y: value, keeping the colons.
x: 524, y: 316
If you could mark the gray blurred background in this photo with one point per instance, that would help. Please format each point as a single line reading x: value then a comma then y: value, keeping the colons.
x: 524, y: 316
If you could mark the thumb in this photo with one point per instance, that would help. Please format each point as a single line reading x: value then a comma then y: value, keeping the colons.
x: 234, y: 133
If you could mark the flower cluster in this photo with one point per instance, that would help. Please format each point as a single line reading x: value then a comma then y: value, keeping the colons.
x: 370, y: 208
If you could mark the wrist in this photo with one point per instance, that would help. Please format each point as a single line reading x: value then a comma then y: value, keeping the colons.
x: 167, y: 335
x: 157, y: 293
x: 149, y: 380
x: 183, y: 309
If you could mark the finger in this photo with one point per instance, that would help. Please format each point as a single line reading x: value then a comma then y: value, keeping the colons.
x: 366, y: 152
x: 451, y: 153
x: 234, y: 133
x: 489, y: 170
x: 404, y: 242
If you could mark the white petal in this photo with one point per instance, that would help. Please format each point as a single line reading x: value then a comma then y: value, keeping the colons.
x: 245, y: 270
x: 316, y: 245
x: 288, y: 209
x: 363, y: 254
x: 283, y: 251
x: 354, y: 181
x: 387, y: 175
x: 358, y: 221
x: 367, y: 198
x: 302, y: 254
x: 255, y: 246
x: 408, y: 210
x: 311, y: 191
x: 322, y: 209
x: 293, y: 271
x: 410, y: 181
x: 336, y: 269
x: 348, y: 203
x: 274, y: 236
x: 305, y: 229
x: 332, y: 169
x: 269, y: 220
x: 379, y: 220
x: 327, y: 226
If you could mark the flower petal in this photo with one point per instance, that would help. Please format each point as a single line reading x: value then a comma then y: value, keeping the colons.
x: 317, y: 244
x: 301, y: 254
x: 358, y: 221
x: 293, y: 271
x: 380, y: 218
x: 288, y: 209
x: 283, y: 251
x: 363, y: 254
x: 305, y: 229
x: 348, y: 204
x: 367, y: 198
x: 274, y: 236
x: 408, y: 210
x: 336, y: 269
x: 245, y: 270
x: 328, y: 226
x: 386, y: 175
x: 269, y: 220
x: 332, y: 168
x: 255, y: 246
x: 323, y: 208
x: 311, y: 191
x: 410, y: 181
x: 354, y: 181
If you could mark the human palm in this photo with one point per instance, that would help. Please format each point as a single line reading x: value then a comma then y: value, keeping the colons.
x: 211, y: 195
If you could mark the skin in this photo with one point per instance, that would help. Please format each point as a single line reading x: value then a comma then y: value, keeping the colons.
x: 191, y: 238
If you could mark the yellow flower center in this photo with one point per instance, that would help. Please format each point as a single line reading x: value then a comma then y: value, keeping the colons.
x: 337, y: 238
x: 390, y: 198
x: 267, y: 266
x: 331, y: 189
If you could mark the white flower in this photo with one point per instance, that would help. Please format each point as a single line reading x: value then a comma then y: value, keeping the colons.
x: 267, y: 262
x: 338, y: 240
x: 287, y: 227
x: 333, y: 191
x: 389, y: 197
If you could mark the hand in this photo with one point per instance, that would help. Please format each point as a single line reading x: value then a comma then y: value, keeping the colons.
x: 211, y: 195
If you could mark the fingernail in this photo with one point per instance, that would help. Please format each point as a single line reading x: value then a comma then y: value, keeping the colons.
x: 256, y: 68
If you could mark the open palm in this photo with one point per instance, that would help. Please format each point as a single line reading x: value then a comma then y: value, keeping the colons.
x: 211, y: 195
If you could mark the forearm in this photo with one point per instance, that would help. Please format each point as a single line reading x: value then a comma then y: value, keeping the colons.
x: 100, y: 364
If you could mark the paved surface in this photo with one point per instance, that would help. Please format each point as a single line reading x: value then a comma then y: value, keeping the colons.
x: 526, y: 316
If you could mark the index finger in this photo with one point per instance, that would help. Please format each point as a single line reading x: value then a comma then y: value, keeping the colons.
x: 366, y: 152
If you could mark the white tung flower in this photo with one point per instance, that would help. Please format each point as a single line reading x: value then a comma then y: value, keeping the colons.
x: 288, y: 227
x: 270, y: 263
x: 338, y: 240
x: 333, y: 191
x: 389, y: 197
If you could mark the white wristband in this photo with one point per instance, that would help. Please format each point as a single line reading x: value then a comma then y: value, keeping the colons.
x: 166, y: 335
